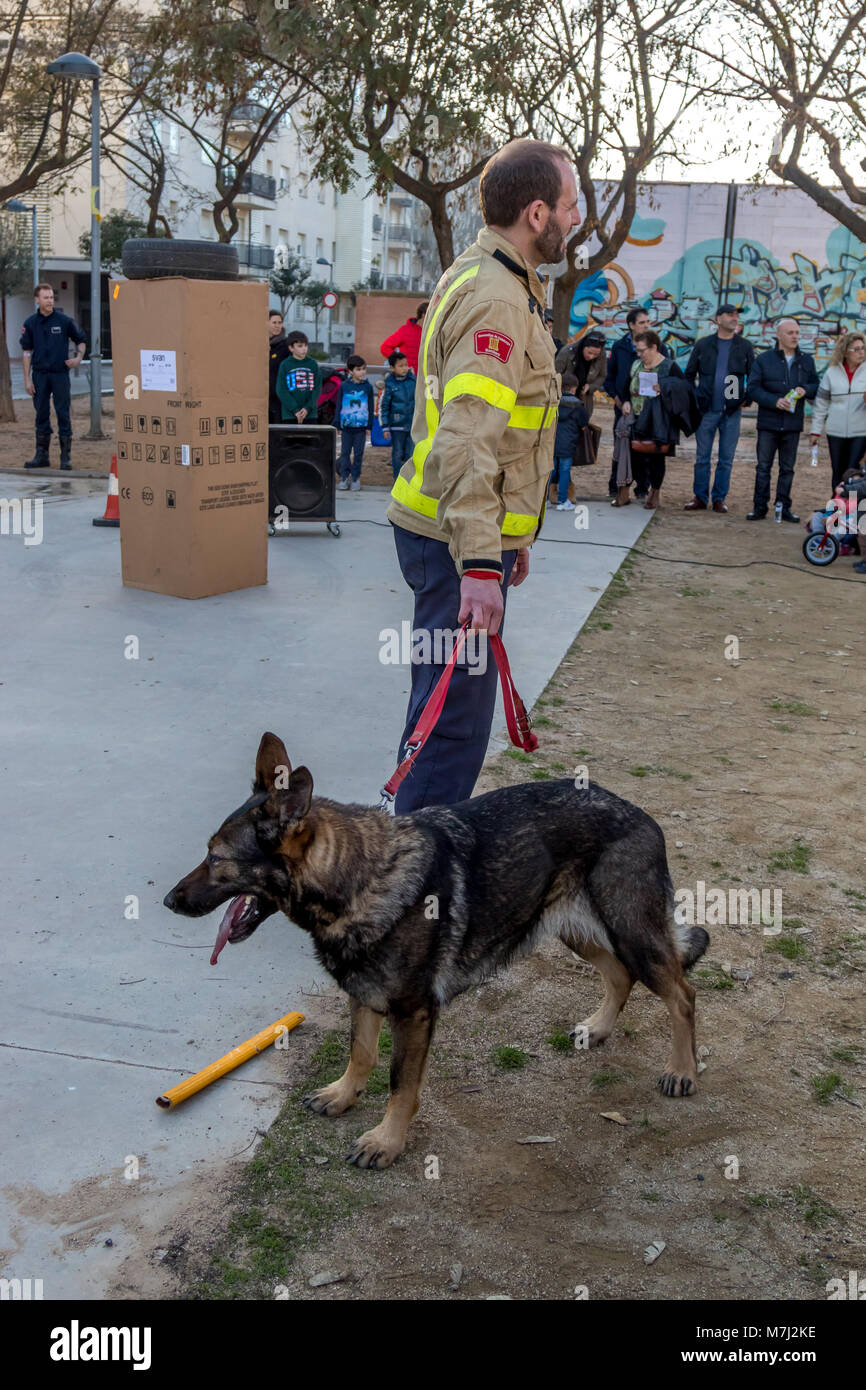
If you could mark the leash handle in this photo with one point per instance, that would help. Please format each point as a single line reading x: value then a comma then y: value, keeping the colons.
x: 517, y: 720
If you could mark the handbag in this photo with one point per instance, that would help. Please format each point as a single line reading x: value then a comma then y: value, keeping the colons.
x: 588, y: 442
x: 649, y: 446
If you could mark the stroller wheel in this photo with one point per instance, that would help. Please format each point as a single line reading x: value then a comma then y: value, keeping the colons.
x: 820, y: 548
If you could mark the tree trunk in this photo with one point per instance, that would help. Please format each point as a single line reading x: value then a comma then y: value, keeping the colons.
x: 441, y: 224
x: 7, y: 406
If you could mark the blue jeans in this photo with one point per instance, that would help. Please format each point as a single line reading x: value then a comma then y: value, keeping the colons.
x: 352, y: 442
x: 561, y: 475
x: 728, y: 427
x: 401, y: 448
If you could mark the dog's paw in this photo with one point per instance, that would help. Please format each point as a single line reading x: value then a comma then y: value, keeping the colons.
x: 672, y: 1083
x: 331, y: 1100
x: 375, y: 1149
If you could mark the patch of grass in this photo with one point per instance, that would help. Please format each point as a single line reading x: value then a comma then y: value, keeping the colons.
x: 854, y: 893
x: 539, y: 775
x: 517, y: 755
x: 651, y: 1196
x: 784, y: 728
x: 560, y: 1041
x: 282, y: 1201
x: 826, y: 1084
x: 557, y: 700
x: 600, y: 1080
x: 541, y: 721
x: 510, y: 1058
x: 654, y: 771
x: 557, y: 767
x: 813, y: 1208
x: 791, y: 947
x: 793, y: 923
x: 846, y: 1054
x: 794, y: 860
x: 630, y: 1030
x: 713, y: 977
x: 688, y: 592
x: 715, y: 863
x: 794, y: 707
x: 581, y: 753
x: 761, y: 1199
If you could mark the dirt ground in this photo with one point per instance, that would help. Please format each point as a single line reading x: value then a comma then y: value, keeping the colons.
x: 756, y: 1184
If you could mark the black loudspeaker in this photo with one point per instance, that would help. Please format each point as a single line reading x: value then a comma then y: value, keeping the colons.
x: 302, y: 472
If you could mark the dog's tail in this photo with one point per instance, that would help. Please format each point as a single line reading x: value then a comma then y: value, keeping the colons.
x: 691, y: 942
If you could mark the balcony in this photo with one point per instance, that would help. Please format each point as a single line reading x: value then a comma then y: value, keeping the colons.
x: 256, y: 188
x: 254, y: 255
x: 247, y: 118
x: 401, y: 234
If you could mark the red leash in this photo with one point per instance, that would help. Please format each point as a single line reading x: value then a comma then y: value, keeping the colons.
x: 518, y: 721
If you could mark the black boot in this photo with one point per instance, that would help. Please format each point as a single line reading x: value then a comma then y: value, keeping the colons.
x: 65, y: 441
x: 40, y: 459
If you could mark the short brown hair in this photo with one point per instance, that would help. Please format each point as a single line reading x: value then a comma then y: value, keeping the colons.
x: 42, y: 286
x: 517, y: 175
x: 651, y: 338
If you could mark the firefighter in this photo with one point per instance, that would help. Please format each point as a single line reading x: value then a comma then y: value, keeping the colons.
x: 45, y: 339
x: 468, y: 504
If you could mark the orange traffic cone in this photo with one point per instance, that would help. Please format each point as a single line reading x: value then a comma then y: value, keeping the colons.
x: 112, y: 504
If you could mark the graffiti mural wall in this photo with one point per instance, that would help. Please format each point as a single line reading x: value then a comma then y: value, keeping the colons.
x: 790, y: 260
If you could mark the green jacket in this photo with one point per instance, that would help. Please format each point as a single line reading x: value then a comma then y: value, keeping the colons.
x: 299, y: 385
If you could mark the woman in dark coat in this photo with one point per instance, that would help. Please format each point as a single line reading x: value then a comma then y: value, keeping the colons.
x: 587, y: 360
x: 648, y: 467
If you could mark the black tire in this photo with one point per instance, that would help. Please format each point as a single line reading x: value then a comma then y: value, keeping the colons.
x: 156, y: 258
x: 820, y: 548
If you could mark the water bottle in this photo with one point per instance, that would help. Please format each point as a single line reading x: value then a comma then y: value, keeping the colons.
x: 813, y: 457
x: 778, y: 512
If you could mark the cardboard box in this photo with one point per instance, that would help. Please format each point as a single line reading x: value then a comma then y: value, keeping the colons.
x: 191, y: 420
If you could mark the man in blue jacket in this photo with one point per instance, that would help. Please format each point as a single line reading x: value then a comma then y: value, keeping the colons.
x: 622, y: 354
x: 719, y: 369
x: 45, y: 340
x: 397, y: 408
x: 782, y: 379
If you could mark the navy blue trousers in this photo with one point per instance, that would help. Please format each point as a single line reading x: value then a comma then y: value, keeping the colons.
x: 50, y: 384
x: 447, y: 768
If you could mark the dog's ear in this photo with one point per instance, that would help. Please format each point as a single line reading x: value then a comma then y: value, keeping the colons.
x: 272, y: 764
x: 284, y: 812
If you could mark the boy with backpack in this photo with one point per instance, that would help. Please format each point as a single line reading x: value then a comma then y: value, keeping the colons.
x: 397, y: 408
x: 353, y: 414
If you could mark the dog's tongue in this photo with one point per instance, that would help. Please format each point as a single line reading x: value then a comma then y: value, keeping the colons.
x: 230, y: 919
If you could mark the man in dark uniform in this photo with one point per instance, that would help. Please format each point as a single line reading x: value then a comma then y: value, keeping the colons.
x: 45, y: 341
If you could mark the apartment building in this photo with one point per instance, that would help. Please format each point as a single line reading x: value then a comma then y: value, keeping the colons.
x: 342, y: 239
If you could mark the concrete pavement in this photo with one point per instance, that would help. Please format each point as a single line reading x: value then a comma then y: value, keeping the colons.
x: 115, y: 771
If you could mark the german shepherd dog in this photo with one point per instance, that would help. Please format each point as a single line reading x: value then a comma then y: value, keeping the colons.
x: 407, y: 912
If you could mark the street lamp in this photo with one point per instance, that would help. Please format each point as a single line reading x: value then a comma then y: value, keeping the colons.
x: 78, y: 65
x: 14, y: 206
x: 322, y: 261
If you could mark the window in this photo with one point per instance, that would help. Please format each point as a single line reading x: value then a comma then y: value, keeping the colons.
x: 269, y: 168
x: 205, y: 223
x: 172, y: 211
x: 321, y: 193
x: 333, y: 252
x: 267, y: 234
x: 284, y: 178
x: 302, y: 243
x: 206, y: 156
x: 284, y: 236
x: 320, y: 247
x: 303, y: 185
x: 173, y: 137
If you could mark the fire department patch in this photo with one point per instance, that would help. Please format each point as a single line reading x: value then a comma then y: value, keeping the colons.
x: 494, y: 345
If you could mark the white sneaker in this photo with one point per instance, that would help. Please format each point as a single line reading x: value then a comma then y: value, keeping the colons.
x: 356, y: 485
x: 343, y: 485
x: 565, y: 506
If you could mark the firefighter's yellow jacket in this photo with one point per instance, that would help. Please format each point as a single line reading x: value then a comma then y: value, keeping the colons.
x: 485, y: 410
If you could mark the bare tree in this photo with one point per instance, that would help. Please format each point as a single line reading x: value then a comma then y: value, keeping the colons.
x: 16, y: 272
x: 807, y: 65
x: 608, y: 80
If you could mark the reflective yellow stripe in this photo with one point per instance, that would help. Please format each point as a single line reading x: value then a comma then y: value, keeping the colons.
x: 473, y: 384
x: 532, y: 417
x: 518, y: 524
x: 431, y: 411
x: 408, y: 494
